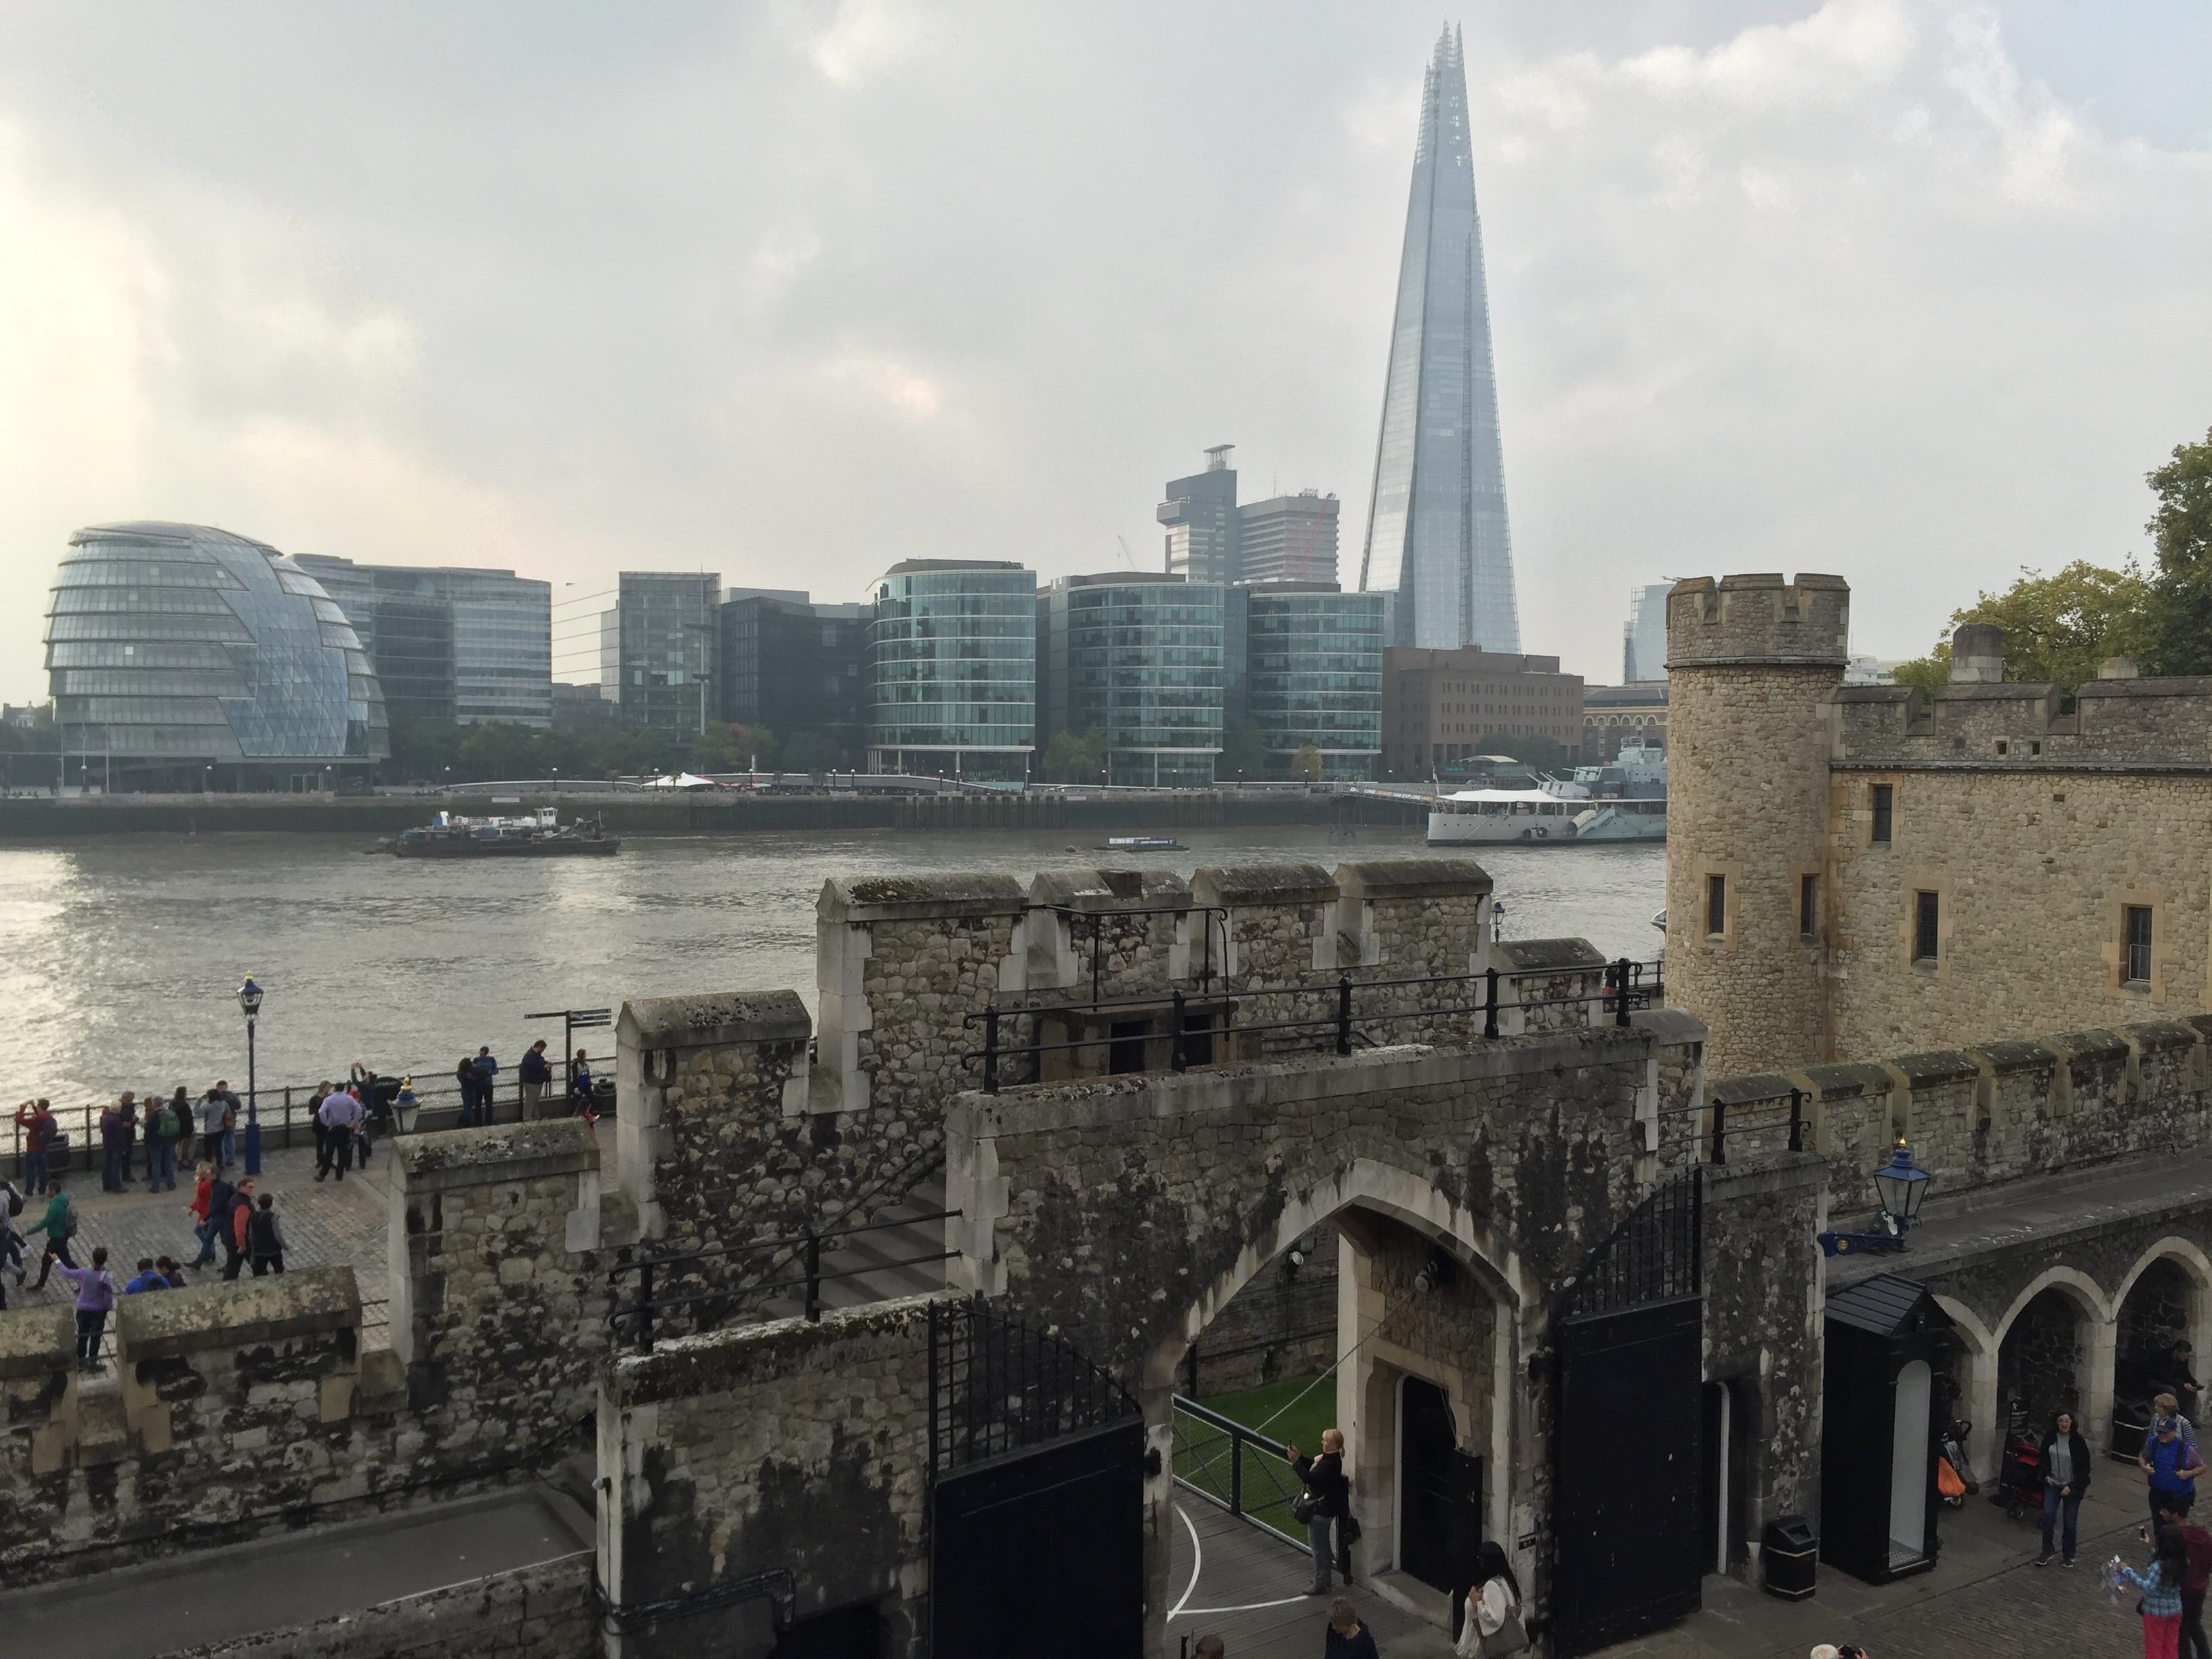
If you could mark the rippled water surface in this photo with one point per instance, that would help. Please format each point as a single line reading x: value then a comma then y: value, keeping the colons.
x: 123, y: 954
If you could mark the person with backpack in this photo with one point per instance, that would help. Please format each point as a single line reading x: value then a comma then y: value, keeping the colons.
x: 187, y: 1131
x: 236, y: 1221
x: 96, y: 1300
x: 162, y: 1130
x: 264, y: 1237
x: 148, y: 1279
x: 60, y: 1225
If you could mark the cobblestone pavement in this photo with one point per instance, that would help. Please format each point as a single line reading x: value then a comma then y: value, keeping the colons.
x: 325, y: 1222
x: 1985, y: 1596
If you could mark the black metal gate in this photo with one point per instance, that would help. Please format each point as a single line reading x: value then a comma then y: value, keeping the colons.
x: 1440, y: 1516
x: 1627, y: 1435
x: 1036, y: 1495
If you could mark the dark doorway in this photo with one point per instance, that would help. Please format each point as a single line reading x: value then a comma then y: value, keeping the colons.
x: 1125, y: 1053
x: 848, y: 1633
x: 1440, y: 1508
x: 1198, y: 1040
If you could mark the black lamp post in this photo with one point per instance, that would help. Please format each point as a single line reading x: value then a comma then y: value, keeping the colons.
x: 249, y: 1003
x: 1900, y: 1185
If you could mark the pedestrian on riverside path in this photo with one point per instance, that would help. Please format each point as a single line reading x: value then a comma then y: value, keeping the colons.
x: 2161, y: 1594
x: 2172, y: 1464
x: 114, y: 1147
x: 60, y: 1225
x: 340, y: 1115
x: 2066, y: 1469
x: 211, y: 1120
x: 95, y: 1299
x: 180, y: 1103
x: 1324, y: 1479
x: 211, y: 1203
x: 131, y: 1127
x: 35, y: 1130
x: 264, y: 1237
x: 1347, y: 1638
x: 148, y: 1279
x: 234, y: 1230
x: 162, y: 1130
x: 579, y: 1086
x: 2196, y: 1545
x: 315, y: 1114
x: 231, y: 1109
x: 487, y: 1071
x: 536, y: 1073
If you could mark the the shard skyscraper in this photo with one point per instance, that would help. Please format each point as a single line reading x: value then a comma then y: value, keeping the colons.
x: 1436, y: 538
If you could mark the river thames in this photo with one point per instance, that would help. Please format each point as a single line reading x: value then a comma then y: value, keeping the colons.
x: 124, y: 953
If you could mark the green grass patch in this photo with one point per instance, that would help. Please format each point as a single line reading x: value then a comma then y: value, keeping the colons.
x: 1265, y: 1484
x: 1300, y: 1425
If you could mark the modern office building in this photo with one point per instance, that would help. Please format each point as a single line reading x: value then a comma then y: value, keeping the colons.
x: 799, y: 670
x: 1201, y: 516
x: 1137, y: 657
x: 660, y: 648
x: 1287, y: 538
x: 1614, y: 714
x: 952, y: 671
x: 1312, y: 674
x: 1437, y: 539
x: 449, y: 643
x: 181, y: 656
x: 1440, y: 707
x: 1643, y: 639
x: 584, y: 708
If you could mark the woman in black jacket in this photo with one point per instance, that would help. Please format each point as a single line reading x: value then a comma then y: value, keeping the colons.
x: 1324, y: 1478
x: 2065, y: 1470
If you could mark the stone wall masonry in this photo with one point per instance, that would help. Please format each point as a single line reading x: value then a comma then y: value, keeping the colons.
x: 2145, y: 724
x: 783, y: 1447
x: 1099, y: 930
x: 541, y: 1612
x: 39, y: 1416
x: 1976, y: 1117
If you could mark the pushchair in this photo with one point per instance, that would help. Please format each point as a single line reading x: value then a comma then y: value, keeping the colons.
x: 1951, y: 1444
x: 2019, y: 1470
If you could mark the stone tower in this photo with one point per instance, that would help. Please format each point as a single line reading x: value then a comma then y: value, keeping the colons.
x: 1751, y: 662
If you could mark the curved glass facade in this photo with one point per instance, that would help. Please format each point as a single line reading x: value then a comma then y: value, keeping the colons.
x: 1314, y: 675
x: 952, y: 670
x: 1140, y: 660
x: 170, y: 647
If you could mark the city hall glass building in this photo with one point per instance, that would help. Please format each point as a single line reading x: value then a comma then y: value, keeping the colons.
x: 180, y: 656
x: 953, y: 669
x: 1138, y: 658
x: 1437, y: 545
x: 1312, y: 675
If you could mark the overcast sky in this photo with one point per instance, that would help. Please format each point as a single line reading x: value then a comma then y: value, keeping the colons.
x: 1912, y: 293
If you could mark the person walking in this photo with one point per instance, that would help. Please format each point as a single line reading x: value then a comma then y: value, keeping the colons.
x: 2066, y: 1469
x: 2161, y: 1594
x: 487, y: 1074
x: 35, y: 1130
x: 1347, y: 1638
x: 114, y: 1147
x: 231, y: 1109
x: 265, y: 1236
x: 315, y: 1116
x: 1492, y: 1624
x: 211, y: 1204
x: 536, y: 1072
x: 95, y: 1298
x: 339, y: 1115
x: 2196, y: 1547
x: 235, y: 1228
x: 162, y: 1130
x: 580, y: 1087
x: 58, y: 1224
x: 1330, y: 1494
x: 148, y: 1279
x: 2172, y: 1463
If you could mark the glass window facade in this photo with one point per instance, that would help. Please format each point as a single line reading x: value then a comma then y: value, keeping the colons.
x: 449, y: 643
x: 1142, y: 662
x: 666, y: 640
x: 952, y: 670
x: 800, y: 670
x: 1312, y: 668
x: 172, y: 647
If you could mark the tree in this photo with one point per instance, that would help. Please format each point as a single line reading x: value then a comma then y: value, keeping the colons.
x: 2056, y: 628
x: 2178, y: 634
x: 1076, y: 757
x: 728, y: 747
x: 1243, y: 754
x: 1306, y: 765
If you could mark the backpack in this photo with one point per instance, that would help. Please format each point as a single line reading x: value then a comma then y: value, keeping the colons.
x: 165, y: 1124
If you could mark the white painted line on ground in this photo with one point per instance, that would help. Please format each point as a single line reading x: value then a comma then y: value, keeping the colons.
x: 1197, y: 1560
x: 1249, y: 1607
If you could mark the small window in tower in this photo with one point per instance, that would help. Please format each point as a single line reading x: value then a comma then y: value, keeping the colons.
x: 1925, y: 914
x: 1715, y: 906
x: 1884, y: 796
x: 1808, y: 903
x: 2001, y: 745
x: 2138, y: 928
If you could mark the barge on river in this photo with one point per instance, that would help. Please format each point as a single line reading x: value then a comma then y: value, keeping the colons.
x: 539, y: 834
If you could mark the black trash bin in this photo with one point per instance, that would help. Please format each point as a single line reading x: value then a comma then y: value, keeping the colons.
x: 1788, y: 1559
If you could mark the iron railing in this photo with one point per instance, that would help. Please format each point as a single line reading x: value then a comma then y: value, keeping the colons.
x: 1779, y: 1115
x: 1654, y: 1254
x: 1346, y: 1021
x: 998, y: 1386
x: 1214, y: 915
x: 1236, y: 1468
x: 634, y: 1321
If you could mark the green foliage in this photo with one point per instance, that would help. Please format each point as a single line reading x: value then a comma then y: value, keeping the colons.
x: 435, y: 751
x: 1306, y: 766
x: 2177, y: 630
x: 732, y: 748
x: 1076, y: 757
x: 1243, y: 758
x: 2056, y: 628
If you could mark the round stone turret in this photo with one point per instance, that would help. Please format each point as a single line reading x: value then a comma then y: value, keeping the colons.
x: 1751, y: 662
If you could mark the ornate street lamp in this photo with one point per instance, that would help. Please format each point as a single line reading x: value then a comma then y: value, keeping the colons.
x: 1900, y: 1185
x: 249, y: 1003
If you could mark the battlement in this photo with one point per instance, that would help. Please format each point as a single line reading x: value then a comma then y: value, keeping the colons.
x: 1758, y: 618
x: 2120, y: 724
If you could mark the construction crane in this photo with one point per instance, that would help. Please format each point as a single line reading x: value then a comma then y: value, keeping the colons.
x: 1126, y: 554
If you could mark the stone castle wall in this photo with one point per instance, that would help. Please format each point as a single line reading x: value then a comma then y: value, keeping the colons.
x: 542, y: 1612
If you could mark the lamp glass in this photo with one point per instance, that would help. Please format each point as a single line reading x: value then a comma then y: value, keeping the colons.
x: 1902, y: 1184
x: 249, y: 997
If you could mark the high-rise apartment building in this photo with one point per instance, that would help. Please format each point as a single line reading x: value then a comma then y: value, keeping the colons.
x: 798, y: 669
x: 449, y: 643
x: 1444, y: 707
x: 1311, y: 665
x: 1137, y: 657
x: 1201, y: 516
x: 1287, y: 538
x: 662, y: 643
x: 1437, y: 540
x: 952, y: 676
x: 1644, y: 640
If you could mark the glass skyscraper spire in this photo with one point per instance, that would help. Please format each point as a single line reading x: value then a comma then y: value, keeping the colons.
x: 1437, y: 538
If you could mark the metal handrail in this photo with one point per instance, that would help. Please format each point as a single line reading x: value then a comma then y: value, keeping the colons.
x: 1716, y: 1137
x: 1239, y: 1438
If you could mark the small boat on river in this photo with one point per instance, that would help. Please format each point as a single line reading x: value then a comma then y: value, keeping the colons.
x: 539, y: 834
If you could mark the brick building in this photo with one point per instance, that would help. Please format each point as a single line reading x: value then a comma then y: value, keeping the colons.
x: 1614, y: 714
x: 1442, y: 707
